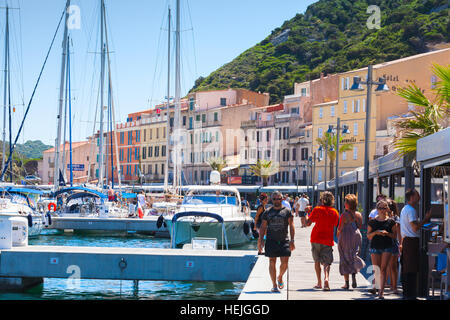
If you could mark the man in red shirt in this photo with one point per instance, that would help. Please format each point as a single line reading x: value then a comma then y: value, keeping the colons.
x: 322, y: 237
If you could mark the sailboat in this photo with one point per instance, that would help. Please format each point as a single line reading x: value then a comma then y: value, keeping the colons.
x: 15, y: 201
x: 82, y: 200
x: 213, y: 212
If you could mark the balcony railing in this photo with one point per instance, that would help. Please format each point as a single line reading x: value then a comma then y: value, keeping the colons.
x: 248, y: 123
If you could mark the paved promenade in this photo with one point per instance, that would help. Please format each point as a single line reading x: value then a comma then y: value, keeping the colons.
x: 301, y: 278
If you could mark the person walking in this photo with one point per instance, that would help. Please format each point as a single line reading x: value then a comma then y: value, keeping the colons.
x: 263, y: 204
x: 409, y: 246
x: 301, y: 209
x: 285, y: 202
x: 374, y: 212
x: 325, y: 218
x: 381, y: 234
x: 349, y: 241
x: 275, y: 223
x: 295, y: 206
x: 393, y: 264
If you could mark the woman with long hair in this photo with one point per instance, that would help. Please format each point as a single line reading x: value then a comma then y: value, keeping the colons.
x: 349, y: 241
x: 380, y: 232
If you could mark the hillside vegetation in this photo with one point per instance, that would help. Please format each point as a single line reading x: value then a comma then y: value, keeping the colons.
x: 330, y: 37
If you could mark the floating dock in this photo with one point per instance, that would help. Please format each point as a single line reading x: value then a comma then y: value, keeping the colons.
x: 23, y: 266
x: 147, y: 225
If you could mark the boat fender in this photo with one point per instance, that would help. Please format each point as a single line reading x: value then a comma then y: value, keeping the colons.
x: 52, y: 205
x: 246, y: 228
x: 160, y: 222
x: 49, y: 218
x: 30, y: 220
x: 254, y: 232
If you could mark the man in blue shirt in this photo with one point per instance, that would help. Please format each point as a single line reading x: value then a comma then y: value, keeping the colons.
x: 286, y: 203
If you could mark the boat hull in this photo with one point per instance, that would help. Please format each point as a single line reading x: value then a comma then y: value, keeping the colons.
x: 186, y: 229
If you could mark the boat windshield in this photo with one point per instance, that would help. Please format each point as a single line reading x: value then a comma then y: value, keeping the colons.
x: 212, y: 199
x: 18, y: 198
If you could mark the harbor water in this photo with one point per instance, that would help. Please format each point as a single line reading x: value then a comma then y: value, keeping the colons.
x: 86, y: 289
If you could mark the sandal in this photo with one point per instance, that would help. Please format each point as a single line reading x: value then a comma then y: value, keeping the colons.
x: 280, y: 285
x: 317, y: 287
x: 274, y: 289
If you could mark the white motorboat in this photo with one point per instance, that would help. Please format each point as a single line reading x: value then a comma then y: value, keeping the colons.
x: 20, y: 202
x: 85, y: 202
x: 211, y: 212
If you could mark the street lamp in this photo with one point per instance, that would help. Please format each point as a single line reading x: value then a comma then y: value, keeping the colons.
x: 345, y: 130
x: 357, y: 86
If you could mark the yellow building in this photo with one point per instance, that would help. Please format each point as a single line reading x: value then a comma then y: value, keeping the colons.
x: 351, y: 107
x: 153, y: 146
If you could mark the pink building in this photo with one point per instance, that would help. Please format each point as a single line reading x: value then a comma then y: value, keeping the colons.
x: 81, y: 153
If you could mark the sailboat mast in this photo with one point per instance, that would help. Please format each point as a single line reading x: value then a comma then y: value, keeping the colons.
x: 65, y: 112
x: 70, y: 117
x: 102, y: 79
x: 61, y: 99
x: 113, y: 118
x: 176, y: 130
x: 166, y: 173
x: 5, y: 85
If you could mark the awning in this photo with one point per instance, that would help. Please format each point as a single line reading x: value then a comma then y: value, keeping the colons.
x: 22, y: 190
x: 229, y: 168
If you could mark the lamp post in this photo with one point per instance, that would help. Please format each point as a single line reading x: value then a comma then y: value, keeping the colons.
x: 331, y: 130
x: 357, y: 86
x: 313, y: 174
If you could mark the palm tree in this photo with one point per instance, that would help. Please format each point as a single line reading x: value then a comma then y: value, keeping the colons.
x: 264, y: 169
x: 217, y: 163
x: 330, y: 140
x: 429, y: 117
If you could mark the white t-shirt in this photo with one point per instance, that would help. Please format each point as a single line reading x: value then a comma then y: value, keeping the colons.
x: 373, y: 214
x: 302, y: 204
x: 141, y: 199
x: 407, y: 216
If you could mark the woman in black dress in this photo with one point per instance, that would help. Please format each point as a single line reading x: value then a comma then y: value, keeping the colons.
x: 380, y: 232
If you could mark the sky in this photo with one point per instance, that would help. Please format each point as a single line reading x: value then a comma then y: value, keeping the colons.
x: 213, y: 33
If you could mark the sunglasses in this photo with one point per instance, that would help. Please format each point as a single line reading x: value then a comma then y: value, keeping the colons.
x: 277, y: 199
x: 383, y: 208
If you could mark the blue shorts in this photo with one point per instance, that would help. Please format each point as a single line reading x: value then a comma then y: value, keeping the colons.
x: 381, y: 251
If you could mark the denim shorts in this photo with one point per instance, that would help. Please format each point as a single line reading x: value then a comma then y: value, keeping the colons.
x: 380, y: 251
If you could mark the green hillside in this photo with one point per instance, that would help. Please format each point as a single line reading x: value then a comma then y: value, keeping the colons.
x: 330, y: 37
x: 28, y: 150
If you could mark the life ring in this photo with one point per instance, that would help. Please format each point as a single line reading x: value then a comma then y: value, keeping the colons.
x: 50, y: 205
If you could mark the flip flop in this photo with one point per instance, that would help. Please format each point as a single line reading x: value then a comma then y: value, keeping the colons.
x: 280, y: 285
x: 274, y: 289
x: 317, y: 287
